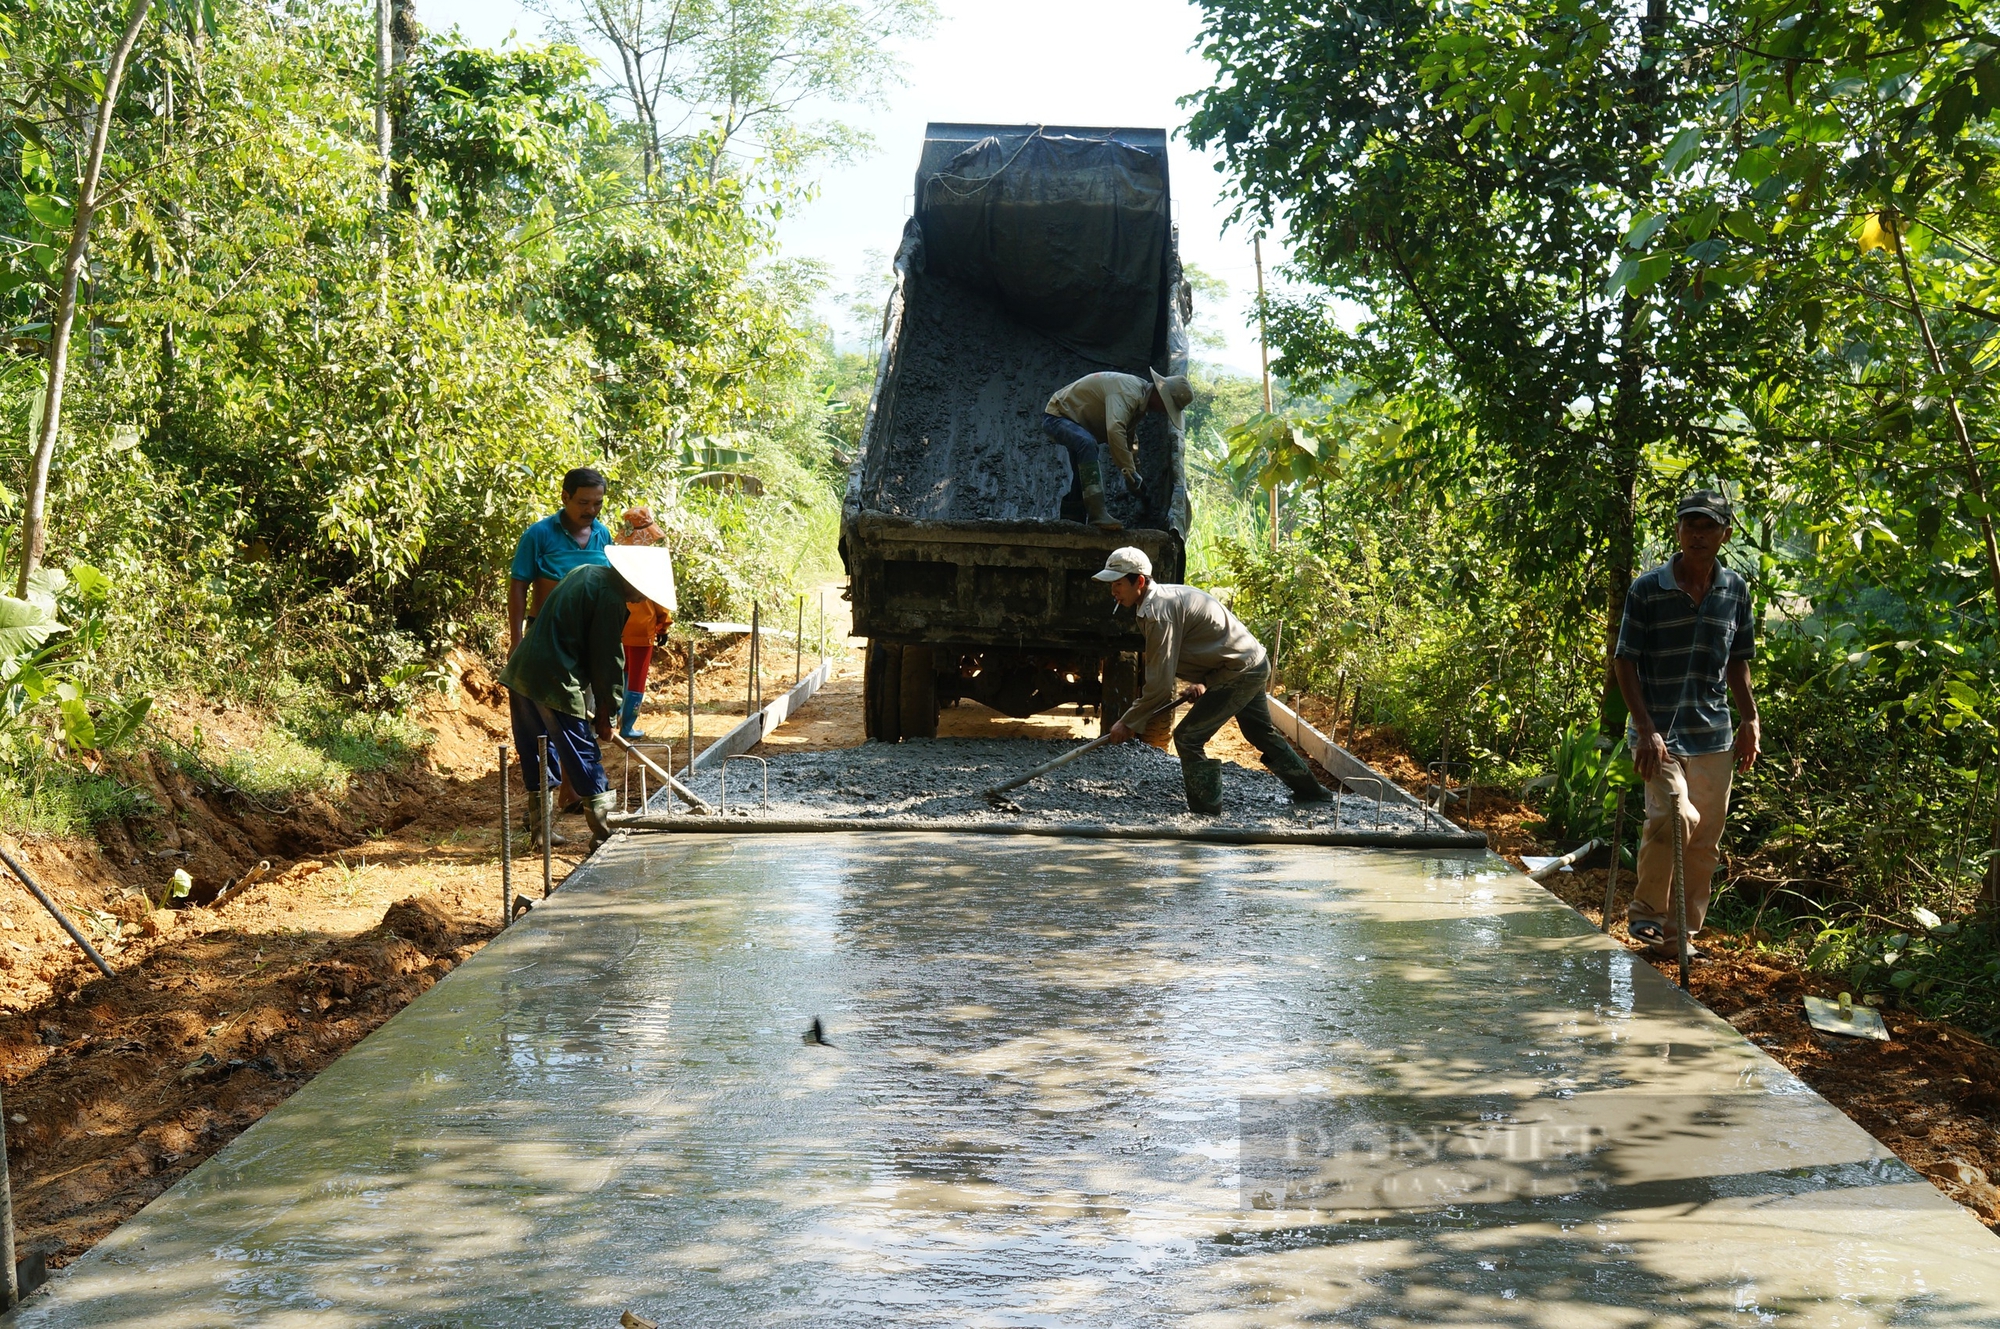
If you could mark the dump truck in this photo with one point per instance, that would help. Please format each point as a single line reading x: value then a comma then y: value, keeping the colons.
x: 1035, y: 255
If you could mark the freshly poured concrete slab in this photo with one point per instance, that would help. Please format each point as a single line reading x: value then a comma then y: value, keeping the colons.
x: 1062, y: 1083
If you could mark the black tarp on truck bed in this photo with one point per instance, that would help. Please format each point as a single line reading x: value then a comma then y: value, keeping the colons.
x: 1036, y: 256
x: 1066, y: 234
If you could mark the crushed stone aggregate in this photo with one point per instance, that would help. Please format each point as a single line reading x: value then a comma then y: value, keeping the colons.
x: 962, y: 439
x: 941, y: 779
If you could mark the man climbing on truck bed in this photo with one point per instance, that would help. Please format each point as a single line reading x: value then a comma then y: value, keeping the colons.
x: 1105, y: 409
x: 1190, y: 635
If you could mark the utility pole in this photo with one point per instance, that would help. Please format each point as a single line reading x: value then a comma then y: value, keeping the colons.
x: 1264, y: 354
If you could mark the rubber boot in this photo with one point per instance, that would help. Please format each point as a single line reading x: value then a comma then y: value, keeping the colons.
x: 1306, y: 788
x: 535, y: 823
x: 1202, y: 778
x: 595, y: 809
x: 1290, y: 767
x: 1092, y: 475
x: 628, y: 718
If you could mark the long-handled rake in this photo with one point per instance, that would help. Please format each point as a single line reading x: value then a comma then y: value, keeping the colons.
x: 997, y: 793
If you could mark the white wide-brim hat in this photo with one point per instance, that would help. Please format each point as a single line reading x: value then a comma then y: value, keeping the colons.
x: 1175, y: 394
x: 650, y: 569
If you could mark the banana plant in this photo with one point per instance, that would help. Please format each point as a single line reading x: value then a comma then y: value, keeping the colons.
x: 37, y: 651
x: 1583, y: 781
x: 1273, y: 449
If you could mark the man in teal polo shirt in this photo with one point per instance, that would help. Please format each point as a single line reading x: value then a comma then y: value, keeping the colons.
x: 1684, y: 652
x: 548, y: 551
x: 571, y: 537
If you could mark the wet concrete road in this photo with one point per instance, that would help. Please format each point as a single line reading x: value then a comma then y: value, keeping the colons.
x: 1104, y: 1084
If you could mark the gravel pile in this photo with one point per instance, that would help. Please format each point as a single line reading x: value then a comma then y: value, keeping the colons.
x: 940, y: 780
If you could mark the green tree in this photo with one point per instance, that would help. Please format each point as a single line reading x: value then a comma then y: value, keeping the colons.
x: 723, y: 82
x: 56, y: 214
x: 1476, y: 218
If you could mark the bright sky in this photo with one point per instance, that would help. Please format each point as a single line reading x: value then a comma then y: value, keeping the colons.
x: 1023, y: 62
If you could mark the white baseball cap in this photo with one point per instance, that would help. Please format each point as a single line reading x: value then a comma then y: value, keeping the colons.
x: 1123, y: 563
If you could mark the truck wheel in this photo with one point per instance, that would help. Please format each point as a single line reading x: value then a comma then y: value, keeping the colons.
x: 919, y: 706
x: 882, y: 692
x: 1121, y: 689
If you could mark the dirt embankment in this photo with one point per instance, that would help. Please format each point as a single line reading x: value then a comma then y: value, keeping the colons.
x: 323, y: 917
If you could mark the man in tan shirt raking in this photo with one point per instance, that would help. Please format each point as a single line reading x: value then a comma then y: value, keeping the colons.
x: 1189, y: 635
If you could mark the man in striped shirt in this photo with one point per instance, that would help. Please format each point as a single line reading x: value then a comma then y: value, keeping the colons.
x: 1683, y: 654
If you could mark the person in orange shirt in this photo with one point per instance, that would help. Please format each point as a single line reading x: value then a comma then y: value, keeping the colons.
x: 644, y: 625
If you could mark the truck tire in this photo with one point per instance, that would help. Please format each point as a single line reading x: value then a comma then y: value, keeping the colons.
x: 919, y: 704
x: 1120, y: 675
x: 882, y: 692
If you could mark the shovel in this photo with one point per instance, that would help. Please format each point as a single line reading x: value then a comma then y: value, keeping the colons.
x: 996, y: 793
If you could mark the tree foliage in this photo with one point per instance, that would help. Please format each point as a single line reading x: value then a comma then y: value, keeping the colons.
x: 1605, y: 253
x: 314, y: 425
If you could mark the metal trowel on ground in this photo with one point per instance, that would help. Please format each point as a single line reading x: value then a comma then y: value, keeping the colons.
x: 1844, y: 1017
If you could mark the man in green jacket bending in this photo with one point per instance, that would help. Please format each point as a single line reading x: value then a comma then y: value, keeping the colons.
x: 570, y: 670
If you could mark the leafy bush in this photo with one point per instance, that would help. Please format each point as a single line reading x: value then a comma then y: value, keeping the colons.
x: 1585, y: 776
x: 1944, y: 970
x: 1865, y: 795
x: 1490, y: 673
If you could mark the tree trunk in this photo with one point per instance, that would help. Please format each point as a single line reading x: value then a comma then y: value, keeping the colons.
x: 404, y: 34
x: 384, y: 142
x: 629, y: 42
x: 1629, y: 425
x: 1989, y: 892
x: 33, y: 534
x: 1622, y: 551
x: 1989, y: 889
x: 1973, y: 478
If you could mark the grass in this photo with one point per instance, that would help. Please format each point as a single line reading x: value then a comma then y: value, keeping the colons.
x: 311, y: 743
x: 317, y: 747
x: 54, y: 799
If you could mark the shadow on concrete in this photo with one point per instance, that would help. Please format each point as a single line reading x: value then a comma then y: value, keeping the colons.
x: 1054, y: 1083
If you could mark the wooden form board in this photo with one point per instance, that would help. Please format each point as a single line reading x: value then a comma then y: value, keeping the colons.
x: 759, y: 726
x: 1337, y: 760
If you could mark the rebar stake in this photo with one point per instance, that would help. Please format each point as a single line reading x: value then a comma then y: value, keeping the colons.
x: 10, y: 1285
x: 75, y: 934
x: 799, y: 645
x: 1680, y: 900
x: 750, y: 684
x: 506, y: 846
x: 1611, y: 879
x: 690, y: 674
x: 1444, y: 773
x: 548, y: 825
x: 1354, y: 722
